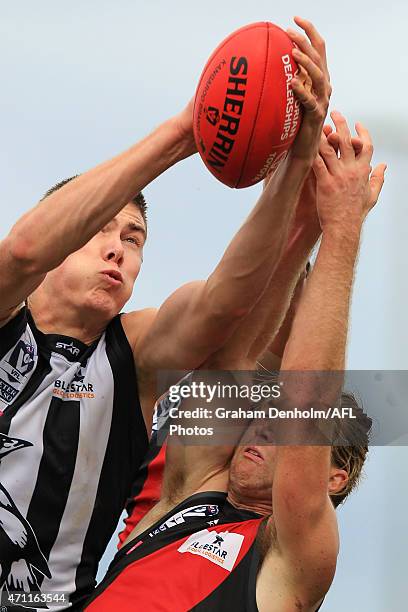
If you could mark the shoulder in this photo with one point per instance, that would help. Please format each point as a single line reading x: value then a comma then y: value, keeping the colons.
x: 12, y: 329
x: 136, y: 325
x: 11, y: 315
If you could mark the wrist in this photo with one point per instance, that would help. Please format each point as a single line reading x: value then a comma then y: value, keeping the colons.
x: 306, y: 149
x: 303, y: 236
x: 179, y: 143
x: 290, y: 175
x: 301, y: 162
x: 306, y: 230
x: 183, y: 126
x: 343, y: 233
x: 341, y: 246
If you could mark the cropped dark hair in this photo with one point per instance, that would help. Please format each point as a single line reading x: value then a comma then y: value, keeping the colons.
x: 138, y: 200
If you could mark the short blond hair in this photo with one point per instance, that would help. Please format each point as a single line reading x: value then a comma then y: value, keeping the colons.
x: 350, y: 455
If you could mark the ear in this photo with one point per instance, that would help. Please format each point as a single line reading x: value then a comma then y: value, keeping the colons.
x: 337, y: 481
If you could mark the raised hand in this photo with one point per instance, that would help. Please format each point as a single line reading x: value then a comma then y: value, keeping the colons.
x: 347, y: 187
x: 311, y: 86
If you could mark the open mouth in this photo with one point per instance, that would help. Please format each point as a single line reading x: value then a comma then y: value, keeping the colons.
x: 251, y: 452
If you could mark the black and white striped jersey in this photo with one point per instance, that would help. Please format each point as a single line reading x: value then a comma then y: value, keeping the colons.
x: 72, y: 437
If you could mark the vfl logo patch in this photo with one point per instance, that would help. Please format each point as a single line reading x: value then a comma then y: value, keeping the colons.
x: 20, y: 363
x: 16, y: 369
x: 219, y: 548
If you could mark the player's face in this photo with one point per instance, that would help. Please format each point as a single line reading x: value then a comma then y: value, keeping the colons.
x: 251, y: 471
x: 102, y: 273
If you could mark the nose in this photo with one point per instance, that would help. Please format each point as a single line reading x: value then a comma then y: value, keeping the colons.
x: 113, y: 252
x: 263, y: 435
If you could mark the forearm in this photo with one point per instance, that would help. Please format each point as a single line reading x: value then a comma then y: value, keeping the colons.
x: 316, y: 346
x: 274, y: 313
x: 252, y: 256
x: 319, y: 333
x: 68, y: 218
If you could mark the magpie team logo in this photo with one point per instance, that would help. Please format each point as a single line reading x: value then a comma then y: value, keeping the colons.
x: 23, y: 565
x: 163, y: 407
x: 213, y: 115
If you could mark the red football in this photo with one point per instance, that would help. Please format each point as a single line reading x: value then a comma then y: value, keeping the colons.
x: 245, y: 113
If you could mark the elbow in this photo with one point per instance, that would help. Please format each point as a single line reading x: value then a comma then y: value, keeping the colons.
x: 21, y: 253
x: 308, y: 389
x: 221, y: 305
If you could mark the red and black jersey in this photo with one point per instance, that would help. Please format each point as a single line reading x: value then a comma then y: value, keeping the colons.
x: 200, y: 556
x: 146, y: 487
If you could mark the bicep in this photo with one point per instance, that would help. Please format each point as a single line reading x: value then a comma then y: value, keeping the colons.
x: 17, y: 281
x: 304, y: 517
x: 303, y: 567
x: 186, y: 330
x: 198, y: 444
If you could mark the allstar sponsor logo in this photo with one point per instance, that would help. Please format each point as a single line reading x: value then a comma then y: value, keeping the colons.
x: 76, y: 388
x: 221, y: 548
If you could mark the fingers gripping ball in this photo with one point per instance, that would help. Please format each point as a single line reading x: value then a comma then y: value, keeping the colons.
x: 245, y: 114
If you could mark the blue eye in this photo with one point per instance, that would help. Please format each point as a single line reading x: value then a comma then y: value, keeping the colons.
x: 132, y: 240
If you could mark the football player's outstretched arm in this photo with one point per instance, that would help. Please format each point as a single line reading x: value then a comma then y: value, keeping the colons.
x: 199, y: 318
x: 304, y: 520
x: 65, y: 220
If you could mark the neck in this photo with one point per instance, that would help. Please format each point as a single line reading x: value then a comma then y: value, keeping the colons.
x: 215, y: 482
x: 264, y: 508
x: 52, y: 317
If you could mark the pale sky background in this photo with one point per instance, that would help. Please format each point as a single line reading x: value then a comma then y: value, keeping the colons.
x: 81, y: 81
